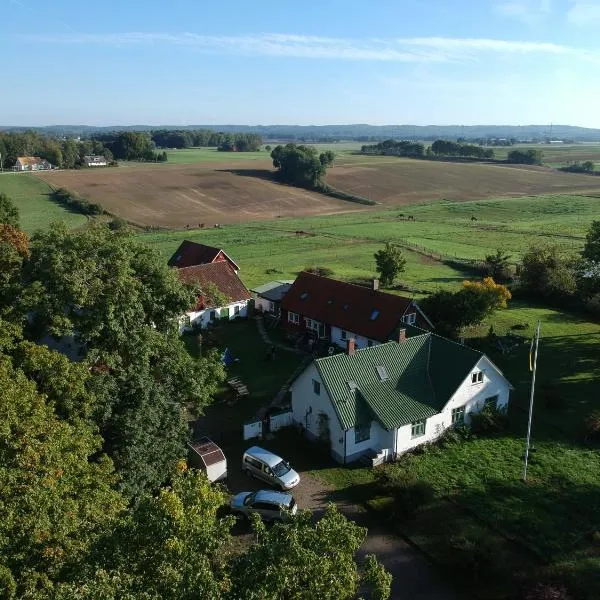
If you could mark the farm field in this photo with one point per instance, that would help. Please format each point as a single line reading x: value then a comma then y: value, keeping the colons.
x: 177, y: 196
x: 188, y: 156
x: 558, y: 155
x: 240, y: 191
x: 37, y: 210
x: 346, y: 242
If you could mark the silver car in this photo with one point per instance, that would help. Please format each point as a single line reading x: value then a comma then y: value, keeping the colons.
x: 269, y: 505
x: 269, y: 467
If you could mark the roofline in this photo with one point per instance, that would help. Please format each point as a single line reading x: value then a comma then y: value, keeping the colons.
x: 510, y: 385
x: 414, y: 302
x: 329, y: 395
x: 229, y: 258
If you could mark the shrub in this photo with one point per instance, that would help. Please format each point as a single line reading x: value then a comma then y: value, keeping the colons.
x: 316, y: 270
x: 117, y: 224
x: 520, y: 326
x: 489, y: 420
x: 408, y: 493
x: 546, y: 591
x: 67, y: 198
x: 592, y: 425
x: 272, y: 271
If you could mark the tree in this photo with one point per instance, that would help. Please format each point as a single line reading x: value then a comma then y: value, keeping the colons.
x: 9, y: 215
x: 525, y: 157
x: 327, y: 158
x: 390, y: 263
x: 299, y: 165
x: 57, y: 488
x: 452, y: 311
x: 544, y: 273
x: 268, y: 148
x: 591, y: 249
x: 498, y: 265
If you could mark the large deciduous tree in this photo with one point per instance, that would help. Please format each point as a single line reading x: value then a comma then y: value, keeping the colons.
x: 544, y: 273
x: 390, y: 263
x: 301, y: 165
x: 9, y: 215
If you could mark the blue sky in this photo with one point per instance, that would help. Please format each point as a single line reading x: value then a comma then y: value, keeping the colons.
x: 310, y: 62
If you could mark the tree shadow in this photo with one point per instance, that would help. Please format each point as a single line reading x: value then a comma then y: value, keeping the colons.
x: 264, y: 174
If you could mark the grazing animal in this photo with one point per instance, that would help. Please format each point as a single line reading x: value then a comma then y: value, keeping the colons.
x: 473, y: 219
x: 411, y: 218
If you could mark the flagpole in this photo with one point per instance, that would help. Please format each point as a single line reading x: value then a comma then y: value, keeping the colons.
x: 533, y: 368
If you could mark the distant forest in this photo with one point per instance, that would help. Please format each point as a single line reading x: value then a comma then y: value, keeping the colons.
x: 364, y: 133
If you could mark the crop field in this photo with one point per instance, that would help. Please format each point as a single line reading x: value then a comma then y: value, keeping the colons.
x: 178, y: 196
x: 32, y: 197
x: 189, y: 156
x: 400, y: 181
x: 558, y: 155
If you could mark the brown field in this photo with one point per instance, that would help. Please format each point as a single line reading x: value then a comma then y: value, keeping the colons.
x: 177, y: 196
x: 235, y: 192
x: 398, y: 181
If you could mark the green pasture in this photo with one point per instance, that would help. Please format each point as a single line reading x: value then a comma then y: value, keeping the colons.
x: 32, y: 197
x: 189, y: 156
x: 555, y: 155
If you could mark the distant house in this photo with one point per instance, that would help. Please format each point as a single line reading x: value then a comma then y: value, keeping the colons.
x: 387, y: 399
x: 337, y: 311
x: 95, y: 161
x: 267, y: 297
x: 226, y: 281
x: 190, y: 254
x: 31, y: 163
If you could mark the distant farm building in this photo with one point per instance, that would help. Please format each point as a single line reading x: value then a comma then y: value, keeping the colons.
x: 191, y: 254
x: 31, y: 163
x: 94, y: 161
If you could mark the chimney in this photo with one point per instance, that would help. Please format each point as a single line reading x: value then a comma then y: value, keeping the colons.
x: 350, y: 346
x: 402, y: 336
x: 375, y: 284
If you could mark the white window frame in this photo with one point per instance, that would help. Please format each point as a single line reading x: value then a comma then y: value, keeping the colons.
x: 418, y: 428
x: 458, y: 415
x: 409, y: 319
x: 293, y: 318
x: 477, y: 378
x: 236, y: 309
x: 312, y: 324
x: 362, y: 433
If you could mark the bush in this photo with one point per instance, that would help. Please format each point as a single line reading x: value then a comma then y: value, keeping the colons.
x: 489, y: 420
x: 592, y: 425
x: 408, y: 493
x: 117, y: 224
x: 546, y: 591
x: 316, y: 270
x: 70, y: 200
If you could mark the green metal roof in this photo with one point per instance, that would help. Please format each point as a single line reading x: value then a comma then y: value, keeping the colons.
x: 422, y: 375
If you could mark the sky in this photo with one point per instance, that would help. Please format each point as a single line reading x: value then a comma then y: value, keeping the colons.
x: 188, y: 62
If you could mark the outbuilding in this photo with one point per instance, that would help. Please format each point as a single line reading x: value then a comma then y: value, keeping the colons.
x: 206, y: 456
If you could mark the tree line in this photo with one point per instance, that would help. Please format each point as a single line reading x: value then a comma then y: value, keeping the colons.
x: 63, y: 153
x: 242, y: 142
x: 97, y: 499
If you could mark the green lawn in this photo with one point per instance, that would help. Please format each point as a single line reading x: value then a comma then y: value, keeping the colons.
x: 37, y: 210
x: 195, y: 155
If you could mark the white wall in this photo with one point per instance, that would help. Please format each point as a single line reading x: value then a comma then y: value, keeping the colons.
x: 471, y: 396
x: 361, y: 341
x: 307, y: 406
x: 202, y: 318
x: 264, y: 305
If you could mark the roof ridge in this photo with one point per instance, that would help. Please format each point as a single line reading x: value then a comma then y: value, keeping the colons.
x: 356, y: 285
x: 456, y: 343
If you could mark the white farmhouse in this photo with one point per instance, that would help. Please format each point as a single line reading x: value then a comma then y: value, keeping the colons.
x: 226, y: 281
x: 389, y: 398
x: 94, y: 160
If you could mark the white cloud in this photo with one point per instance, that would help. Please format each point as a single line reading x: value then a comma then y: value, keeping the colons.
x: 526, y: 11
x: 415, y: 50
x: 584, y: 13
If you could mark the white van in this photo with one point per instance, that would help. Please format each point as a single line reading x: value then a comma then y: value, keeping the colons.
x: 269, y: 467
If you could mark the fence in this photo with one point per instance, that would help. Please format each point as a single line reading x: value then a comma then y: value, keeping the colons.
x: 256, y: 429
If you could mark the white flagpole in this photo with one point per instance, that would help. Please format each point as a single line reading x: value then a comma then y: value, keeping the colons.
x: 537, y: 341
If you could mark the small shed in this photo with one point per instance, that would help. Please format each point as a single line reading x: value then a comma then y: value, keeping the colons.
x: 206, y: 456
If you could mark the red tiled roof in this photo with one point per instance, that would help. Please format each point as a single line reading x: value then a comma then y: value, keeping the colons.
x: 219, y: 273
x: 191, y: 253
x: 354, y: 308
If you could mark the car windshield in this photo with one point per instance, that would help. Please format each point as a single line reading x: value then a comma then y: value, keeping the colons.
x: 281, y: 469
x: 249, y: 499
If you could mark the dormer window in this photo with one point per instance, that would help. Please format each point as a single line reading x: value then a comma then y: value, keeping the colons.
x: 352, y: 385
x: 382, y: 372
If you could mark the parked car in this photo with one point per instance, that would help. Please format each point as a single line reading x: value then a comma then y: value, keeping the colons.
x: 270, y: 505
x: 270, y: 468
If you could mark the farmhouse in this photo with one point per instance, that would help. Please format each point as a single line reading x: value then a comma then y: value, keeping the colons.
x: 94, y: 161
x: 387, y: 399
x: 214, y: 276
x: 337, y: 311
x: 31, y: 163
x: 267, y: 297
x: 190, y: 254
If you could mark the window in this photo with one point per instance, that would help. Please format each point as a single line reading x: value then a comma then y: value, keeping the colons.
x: 417, y: 429
x: 253, y: 462
x: 458, y: 415
x: 362, y: 433
x: 477, y: 377
x: 293, y: 318
x: 312, y: 324
x: 381, y: 371
x: 409, y: 319
x: 374, y: 314
x: 352, y: 385
x: 316, y: 387
x: 213, y: 315
x: 491, y: 401
x: 344, y: 334
x: 236, y: 310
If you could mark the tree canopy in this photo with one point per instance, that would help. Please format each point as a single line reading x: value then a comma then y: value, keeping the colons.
x: 301, y: 165
x: 390, y: 263
x: 529, y: 156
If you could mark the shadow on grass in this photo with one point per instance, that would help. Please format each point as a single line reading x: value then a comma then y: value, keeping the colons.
x: 264, y: 174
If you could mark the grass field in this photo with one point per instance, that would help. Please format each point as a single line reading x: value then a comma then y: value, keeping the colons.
x: 556, y: 155
x: 37, y: 210
x: 188, y: 156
